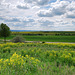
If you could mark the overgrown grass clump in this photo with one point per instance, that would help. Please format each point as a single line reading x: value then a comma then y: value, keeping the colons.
x: 18, y: 39
x: 37, y: 59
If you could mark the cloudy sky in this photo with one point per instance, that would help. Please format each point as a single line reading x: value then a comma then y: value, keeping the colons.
x: 48, y: 15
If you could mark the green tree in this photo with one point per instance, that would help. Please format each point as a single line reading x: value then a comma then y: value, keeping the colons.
x: 4, y: 31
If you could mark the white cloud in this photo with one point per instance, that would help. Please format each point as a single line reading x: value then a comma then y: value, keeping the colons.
x: 23, y: 6
x: 51, y: 14
x: 58, y: 8
x: 38, y: 2
x: 70, y: 14
x: 8, y: 19
x: 14, y: 2
x: 2, y: 1
x: 46, y: 22
x: 45, y: 13
x: 35, y: 7
x: 71, y: 6
x: 42, y: 2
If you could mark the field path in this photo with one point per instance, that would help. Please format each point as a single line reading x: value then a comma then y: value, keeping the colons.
x: 41, y: 42
x: 49, y: 42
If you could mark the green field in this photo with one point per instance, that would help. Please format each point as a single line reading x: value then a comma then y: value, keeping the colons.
x: 45, y: 36
x: 37, y: 59
x: 51, y: 38
x: 48, y: 38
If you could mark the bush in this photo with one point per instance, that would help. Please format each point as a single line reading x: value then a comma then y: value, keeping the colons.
x: 18, y: 39
x: 43, y: 42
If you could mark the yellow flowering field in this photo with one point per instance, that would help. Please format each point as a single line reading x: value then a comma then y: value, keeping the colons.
x: 37, y: 59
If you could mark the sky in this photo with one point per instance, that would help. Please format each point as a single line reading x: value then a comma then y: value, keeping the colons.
x: 41, y: 15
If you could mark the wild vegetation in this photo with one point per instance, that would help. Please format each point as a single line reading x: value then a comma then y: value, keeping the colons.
x: 37, y: 59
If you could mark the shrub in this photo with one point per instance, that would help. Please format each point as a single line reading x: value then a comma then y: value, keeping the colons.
x: 43, y: 42
x: 18, y: 39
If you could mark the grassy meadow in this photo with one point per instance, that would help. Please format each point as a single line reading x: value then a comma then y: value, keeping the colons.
x: 48, y: 38
x: 37, y: 59
x: 55, y: 36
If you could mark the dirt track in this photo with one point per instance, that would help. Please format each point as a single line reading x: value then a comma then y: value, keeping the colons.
x: 45, y: 42
x: 49, y: 42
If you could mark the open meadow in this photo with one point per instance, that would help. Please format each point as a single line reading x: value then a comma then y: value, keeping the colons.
x: 37, y: 59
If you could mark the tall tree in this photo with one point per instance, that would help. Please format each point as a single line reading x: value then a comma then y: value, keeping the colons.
x: 4, y: 31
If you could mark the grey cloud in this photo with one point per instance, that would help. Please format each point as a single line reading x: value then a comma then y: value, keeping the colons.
x: 71, y: 9
x: 46, y: 23
x: 52, y: 13
x: 8, y: 19
x: 69, y: 0
x: 4, y: 5
x: 11, y: 1
x: 31, y: 20
x: 57, y: 9
x: 22, y: 7
x: 15, y: 19
x: 73, y: 22
x: 1, y: 18
x: 42, y: 2
x: 64, y: 23
x: 38, y: 2
x: 28, y: 21
x: 30, y: 1
x: 70, y: 14
x: 71, y: 6
x: 1, y: 1
x: 12, y: 20
x: 1, y: 9
x: 45, y: 14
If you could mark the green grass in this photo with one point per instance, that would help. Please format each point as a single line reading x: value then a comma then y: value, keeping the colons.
x: 51, y: 38
x: 48, y: 38
x: 55, y: 59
